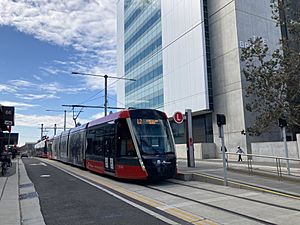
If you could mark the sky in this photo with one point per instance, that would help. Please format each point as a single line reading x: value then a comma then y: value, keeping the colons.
x: 41, y: 43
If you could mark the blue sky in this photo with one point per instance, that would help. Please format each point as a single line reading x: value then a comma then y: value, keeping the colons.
x: 41, y: 43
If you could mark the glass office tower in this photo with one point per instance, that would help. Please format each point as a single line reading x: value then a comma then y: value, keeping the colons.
x: 142, y: 54
x: 163, y: 45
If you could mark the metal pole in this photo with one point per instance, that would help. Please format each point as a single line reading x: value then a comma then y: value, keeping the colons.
x: 105, y: 95
x: 189, y: 138
x: 42, y: 128
x: 65, y: 120
x: 286, y: 150
x: 223, y: 154
x: 8, y: 143
x: 54, y: 129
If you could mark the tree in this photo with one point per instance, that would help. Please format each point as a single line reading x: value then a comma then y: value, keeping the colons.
x: 273, y: 84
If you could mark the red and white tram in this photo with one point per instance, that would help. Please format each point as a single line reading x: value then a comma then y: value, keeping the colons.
x: 131, y: 144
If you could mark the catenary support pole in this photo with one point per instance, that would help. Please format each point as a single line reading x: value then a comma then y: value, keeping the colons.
x: 105, y: 95
x: 65, y: 119
x: 42, y: 130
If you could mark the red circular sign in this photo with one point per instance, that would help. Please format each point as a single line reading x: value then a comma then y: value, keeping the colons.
x: 178, y: 117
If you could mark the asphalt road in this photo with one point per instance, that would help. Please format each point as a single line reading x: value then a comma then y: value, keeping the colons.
x: 66, y: 200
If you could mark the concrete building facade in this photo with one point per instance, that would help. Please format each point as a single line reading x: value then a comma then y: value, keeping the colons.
x: 196, y: 44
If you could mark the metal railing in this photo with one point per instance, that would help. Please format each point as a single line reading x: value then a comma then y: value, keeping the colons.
x: 278, y: 161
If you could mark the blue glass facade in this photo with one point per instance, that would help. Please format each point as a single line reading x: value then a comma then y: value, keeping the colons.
x: 142, y: 54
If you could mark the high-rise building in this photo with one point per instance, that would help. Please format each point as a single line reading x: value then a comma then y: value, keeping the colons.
x: 185, y: 54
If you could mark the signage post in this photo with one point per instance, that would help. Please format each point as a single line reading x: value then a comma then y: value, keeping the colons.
x: 189, y: 138
x: 221, y: 120
x: 9, y: 131
x: 283, y: 124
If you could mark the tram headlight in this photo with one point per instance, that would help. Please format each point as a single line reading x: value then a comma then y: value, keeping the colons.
x: 156, y: 162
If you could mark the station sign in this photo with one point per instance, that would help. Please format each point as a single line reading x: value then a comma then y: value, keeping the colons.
x: 8, y: 115
x: 178, y: 117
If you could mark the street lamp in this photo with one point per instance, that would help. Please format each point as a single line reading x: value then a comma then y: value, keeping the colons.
x: 105, y: 84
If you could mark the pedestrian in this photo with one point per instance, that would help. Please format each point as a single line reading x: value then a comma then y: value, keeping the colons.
x: 240, y: 151
x: 14, y: 152
x: 225, y: 152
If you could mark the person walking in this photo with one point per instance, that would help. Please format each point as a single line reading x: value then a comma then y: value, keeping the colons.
x: 14, y: 152
x: 240, y: 151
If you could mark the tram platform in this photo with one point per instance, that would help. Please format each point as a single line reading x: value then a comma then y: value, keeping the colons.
x: 262, y: 176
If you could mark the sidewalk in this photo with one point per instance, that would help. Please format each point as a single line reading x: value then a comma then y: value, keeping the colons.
x: 9, y: 197
x: 19, y: 203
x: 263, y: 175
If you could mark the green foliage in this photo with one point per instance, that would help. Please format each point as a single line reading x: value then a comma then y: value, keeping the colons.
x: 273, y: 84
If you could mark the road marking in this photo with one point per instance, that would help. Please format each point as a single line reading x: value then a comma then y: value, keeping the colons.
x: 38, y: 164
x: 45, y: 175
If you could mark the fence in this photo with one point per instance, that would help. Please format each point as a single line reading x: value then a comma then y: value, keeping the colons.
x: 278, y: 162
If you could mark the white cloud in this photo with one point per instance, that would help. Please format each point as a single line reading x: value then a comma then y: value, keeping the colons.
x: 17, y: 105
x: 85, y: 25
x: 49, y: 91
x: 89, y: 26
x: 37, y: 120
x: 21, y: 83
x: 46, y: 120
x: 36, y: 96
x: 97, y: 116
x: 37, y: 78
x: 7, y: 88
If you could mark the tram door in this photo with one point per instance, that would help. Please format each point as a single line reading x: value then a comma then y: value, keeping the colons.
x: 109, y: 149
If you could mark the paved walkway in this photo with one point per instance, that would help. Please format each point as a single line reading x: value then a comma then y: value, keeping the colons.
x: 19, y: 203
x: 263, y: 175
x: 9, y: 198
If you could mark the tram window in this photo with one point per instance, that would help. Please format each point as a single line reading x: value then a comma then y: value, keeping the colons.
x: 130, y: 151
x: 89, y: 146
x: 123, y: 130
x: 127, y: 148
x: 90, y: 141
x: 123, y: 148
x: 98, y: 145
x: 125, y: 143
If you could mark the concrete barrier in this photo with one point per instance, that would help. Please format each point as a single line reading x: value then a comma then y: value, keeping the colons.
x: 202, y: 151
x: 274, y: 149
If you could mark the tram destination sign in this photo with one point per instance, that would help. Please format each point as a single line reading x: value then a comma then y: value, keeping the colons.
x: 147, y: 121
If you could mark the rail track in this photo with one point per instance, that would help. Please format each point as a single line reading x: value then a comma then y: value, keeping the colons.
x: 232, y: 211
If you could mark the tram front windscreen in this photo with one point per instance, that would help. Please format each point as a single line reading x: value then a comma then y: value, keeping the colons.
x: 153, y: 136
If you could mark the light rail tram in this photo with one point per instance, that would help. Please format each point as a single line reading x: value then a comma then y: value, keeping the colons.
x: 130, y: 144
